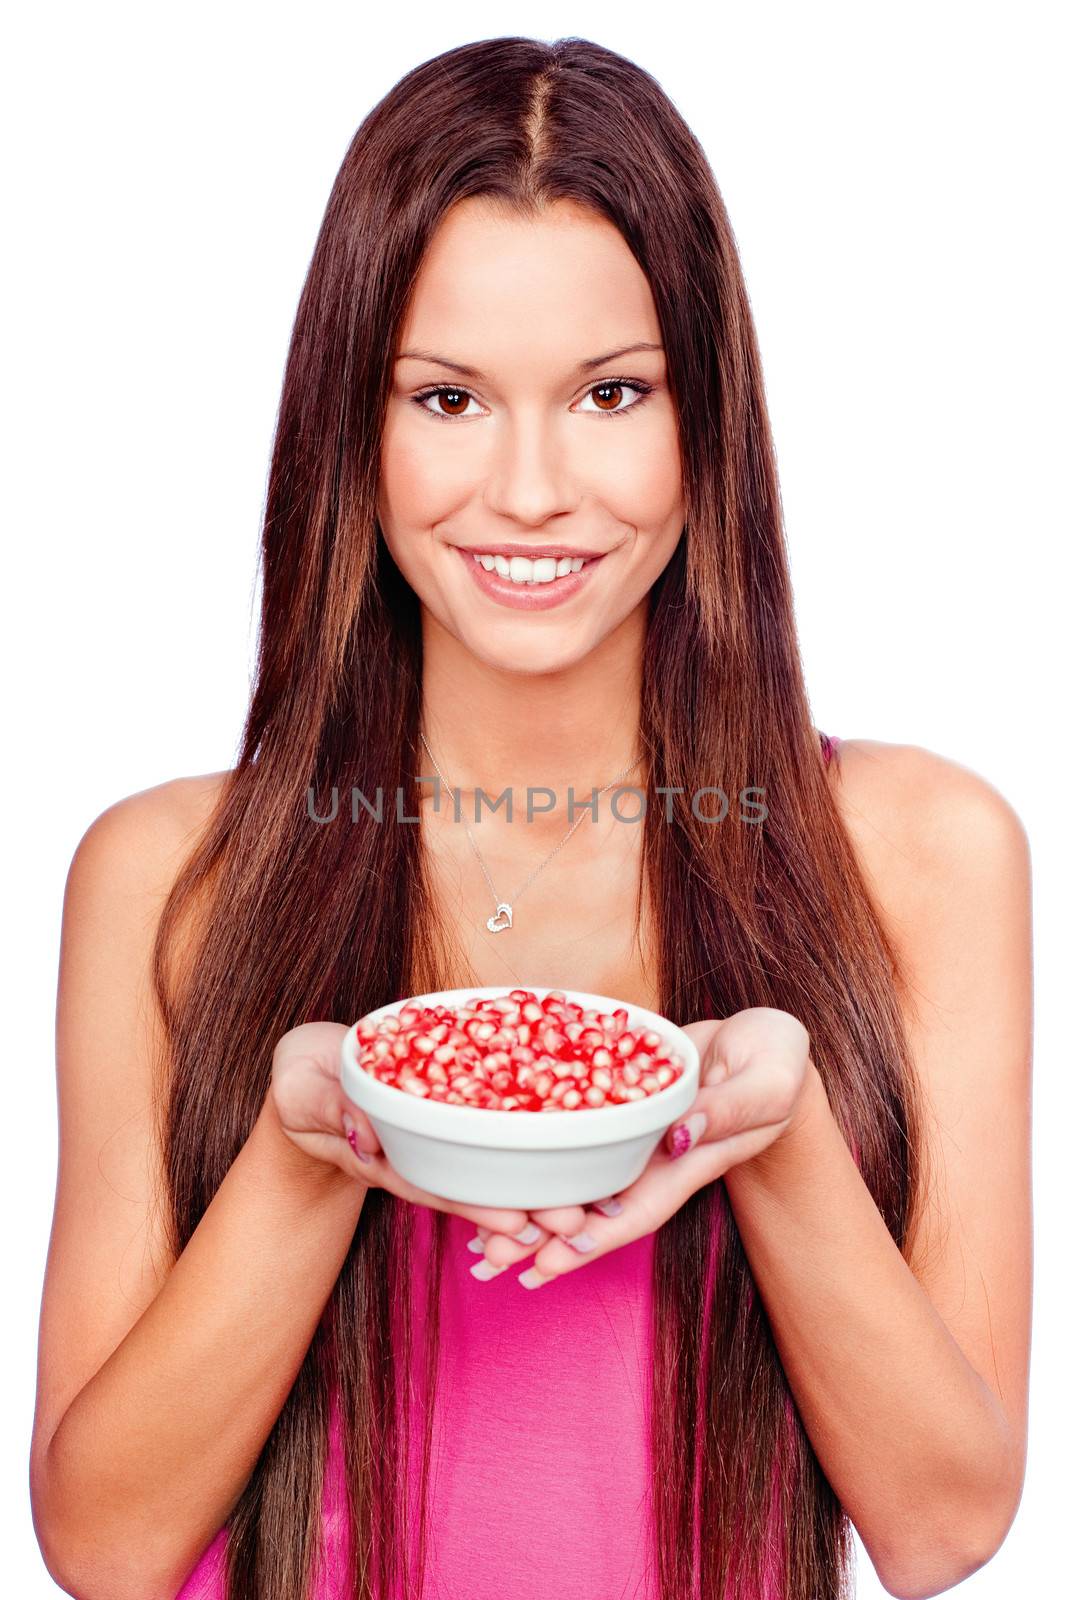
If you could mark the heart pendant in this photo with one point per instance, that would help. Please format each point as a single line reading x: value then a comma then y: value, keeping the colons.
x: 502, y: 919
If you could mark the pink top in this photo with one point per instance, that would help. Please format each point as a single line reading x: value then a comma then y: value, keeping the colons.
x: 540, y: 1392
x: 540, y: 1466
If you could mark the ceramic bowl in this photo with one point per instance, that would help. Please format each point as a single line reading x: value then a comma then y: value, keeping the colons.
x: 521, y: 1159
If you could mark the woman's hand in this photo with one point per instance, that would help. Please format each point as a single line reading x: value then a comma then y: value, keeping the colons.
x: 754, y: 1067
x: 322, y: 1121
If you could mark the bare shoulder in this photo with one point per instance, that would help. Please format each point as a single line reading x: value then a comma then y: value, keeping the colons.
x: 162, y: 822
x: 927, y: 830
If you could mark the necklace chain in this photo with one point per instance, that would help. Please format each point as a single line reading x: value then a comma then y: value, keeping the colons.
x: 502, y: 918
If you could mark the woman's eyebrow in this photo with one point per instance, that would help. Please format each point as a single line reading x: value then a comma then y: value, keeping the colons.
x: 479, y: 377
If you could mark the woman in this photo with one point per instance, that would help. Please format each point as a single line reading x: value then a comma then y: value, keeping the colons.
x: 813, y: 1305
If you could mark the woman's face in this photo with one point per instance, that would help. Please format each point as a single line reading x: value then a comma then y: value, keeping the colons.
x: 519, y: 424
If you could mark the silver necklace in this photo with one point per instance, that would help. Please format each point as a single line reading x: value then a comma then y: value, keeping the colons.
x: 503, y: 917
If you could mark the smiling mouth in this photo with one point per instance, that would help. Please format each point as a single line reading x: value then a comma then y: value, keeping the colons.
x: 528, y: 584
x: 533, y: 569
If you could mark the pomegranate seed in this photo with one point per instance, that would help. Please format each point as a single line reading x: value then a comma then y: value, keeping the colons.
x: 517, y: 1053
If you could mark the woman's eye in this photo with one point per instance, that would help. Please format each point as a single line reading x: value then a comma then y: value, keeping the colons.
x: 449, y: 398
x: 607, y: 392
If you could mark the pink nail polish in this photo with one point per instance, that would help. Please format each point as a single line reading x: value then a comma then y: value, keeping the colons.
x: 582, y: 1242
x: 680, y: 1141
x: 688, y: 1133
x: 350, y: 1135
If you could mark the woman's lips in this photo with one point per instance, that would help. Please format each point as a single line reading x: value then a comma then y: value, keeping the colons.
x: 528, y: 596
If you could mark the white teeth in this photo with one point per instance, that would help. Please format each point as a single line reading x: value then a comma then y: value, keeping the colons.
x: 520, y: 569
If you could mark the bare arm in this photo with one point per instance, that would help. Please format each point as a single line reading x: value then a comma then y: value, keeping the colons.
x: 152, y: 1456
x: 911, y: 1374
x: 159, y: 1380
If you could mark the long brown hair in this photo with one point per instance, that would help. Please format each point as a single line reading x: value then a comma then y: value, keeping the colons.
x: 309, y: 922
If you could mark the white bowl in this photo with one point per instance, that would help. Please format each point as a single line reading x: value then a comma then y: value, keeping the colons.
x: 520, y: 1159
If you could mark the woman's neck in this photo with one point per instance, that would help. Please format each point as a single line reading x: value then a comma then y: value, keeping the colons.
x: 577, y: 728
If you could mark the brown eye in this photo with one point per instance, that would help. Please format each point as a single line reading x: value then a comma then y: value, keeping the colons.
x: 607, y: 397
x: 452, y: 401
x: 607, y: 389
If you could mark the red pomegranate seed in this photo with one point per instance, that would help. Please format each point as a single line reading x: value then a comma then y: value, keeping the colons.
x: 517, y: 1053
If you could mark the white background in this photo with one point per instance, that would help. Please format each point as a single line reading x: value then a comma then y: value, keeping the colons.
x: 893, y: 179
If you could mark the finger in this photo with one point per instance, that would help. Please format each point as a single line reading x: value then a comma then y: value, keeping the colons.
x: 494, y: 1219
x: 564, y: 1221
x: 757, y: 1097
x: 502, y: 1251
x: 358, y: 1126
x: 559, y: 1256
x: 560, y: 1219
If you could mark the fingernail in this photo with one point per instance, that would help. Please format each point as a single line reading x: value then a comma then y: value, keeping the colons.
x: 582, y: 1242
x: 476, y: 1245
x: 484, y: 1270
x: 688, y: 1133
x: 610, y: 1207
x: 532, y: 1279
x: 350, y: 1135
x: 530, y: 1234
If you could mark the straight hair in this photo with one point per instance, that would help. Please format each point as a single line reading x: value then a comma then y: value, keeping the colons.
x: 295, y: 922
